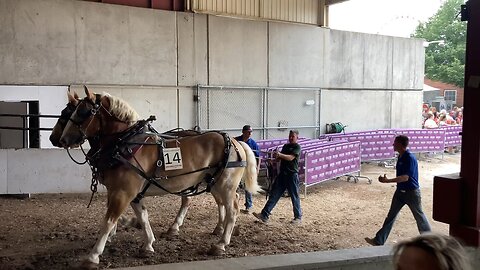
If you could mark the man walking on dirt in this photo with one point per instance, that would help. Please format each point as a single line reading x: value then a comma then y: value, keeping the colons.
x: 287, y: 179
x: 407, y: 192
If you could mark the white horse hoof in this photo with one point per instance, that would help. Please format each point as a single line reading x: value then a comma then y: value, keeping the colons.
x: 216, y: 251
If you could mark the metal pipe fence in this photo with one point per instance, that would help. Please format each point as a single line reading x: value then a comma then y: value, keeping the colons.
x: 28, y: 131
x: 271, y: 111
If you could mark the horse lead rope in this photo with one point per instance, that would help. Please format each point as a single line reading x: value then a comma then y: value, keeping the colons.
x: 78, y: 162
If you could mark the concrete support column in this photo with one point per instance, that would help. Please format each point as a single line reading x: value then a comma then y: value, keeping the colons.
x: 456, y: 198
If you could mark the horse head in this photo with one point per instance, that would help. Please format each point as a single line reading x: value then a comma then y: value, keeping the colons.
x: 63, y: 119
x: 82, y: 123
x: 96, y: 116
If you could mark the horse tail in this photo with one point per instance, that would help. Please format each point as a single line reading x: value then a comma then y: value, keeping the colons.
x: 251, y: 174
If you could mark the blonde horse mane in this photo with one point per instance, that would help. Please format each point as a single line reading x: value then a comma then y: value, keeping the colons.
x: 121, y: 109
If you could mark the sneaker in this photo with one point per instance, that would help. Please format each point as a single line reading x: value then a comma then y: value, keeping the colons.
x: 296, y: 221
x: 372, y: 241
x: 246, y: 211
x: 261, y: 217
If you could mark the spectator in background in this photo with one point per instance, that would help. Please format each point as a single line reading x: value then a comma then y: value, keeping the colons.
x: 453, y: 114
x: 442, y: 120
x: 449, y: 119
x: 246, y: 137
x: 425, y: 110
x: 430, y: 123
x: 459, y: 119
x: 435, y: 114
x: 430, y: 252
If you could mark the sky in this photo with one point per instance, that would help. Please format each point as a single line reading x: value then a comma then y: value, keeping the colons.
x: 385, y: 17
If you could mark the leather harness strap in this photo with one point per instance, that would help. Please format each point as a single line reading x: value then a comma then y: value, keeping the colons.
x: 193, y: 190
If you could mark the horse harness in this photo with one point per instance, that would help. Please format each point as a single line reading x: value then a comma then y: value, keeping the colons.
x: 123, y: 147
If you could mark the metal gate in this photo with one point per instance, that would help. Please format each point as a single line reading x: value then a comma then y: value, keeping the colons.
x: 271, y: 112
x: 21, y: 130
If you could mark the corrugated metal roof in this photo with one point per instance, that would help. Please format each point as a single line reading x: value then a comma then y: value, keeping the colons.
x: 302, y: 11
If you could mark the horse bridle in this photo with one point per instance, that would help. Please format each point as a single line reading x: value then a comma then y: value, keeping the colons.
x: 66, y: 113
x: 92, y: 113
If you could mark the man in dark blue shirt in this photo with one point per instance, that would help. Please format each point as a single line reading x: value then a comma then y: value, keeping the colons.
x: 246, y: 137
x: 408, y: 192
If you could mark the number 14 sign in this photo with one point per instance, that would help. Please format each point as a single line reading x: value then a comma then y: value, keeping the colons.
x: 172, y: 158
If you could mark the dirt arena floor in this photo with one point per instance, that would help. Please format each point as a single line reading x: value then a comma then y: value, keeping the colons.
x: 56, y: 231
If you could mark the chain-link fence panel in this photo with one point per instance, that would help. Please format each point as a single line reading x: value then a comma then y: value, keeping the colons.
x: 230, y: 109
x: 271, y: 112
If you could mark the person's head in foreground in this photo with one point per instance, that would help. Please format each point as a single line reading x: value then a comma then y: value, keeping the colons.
x: 430, y: 251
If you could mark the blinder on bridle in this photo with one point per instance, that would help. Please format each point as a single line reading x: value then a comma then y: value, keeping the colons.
x: 82, y: 114
x: 66, y: 114
x: 68, y: 111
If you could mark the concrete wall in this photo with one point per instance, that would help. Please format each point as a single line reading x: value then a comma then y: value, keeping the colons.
x: 237, y: 52
x: 155, y: 58
x: 61, y: 42
x: 43, y: 171
x: 371, y: 109
x: 297, y: 56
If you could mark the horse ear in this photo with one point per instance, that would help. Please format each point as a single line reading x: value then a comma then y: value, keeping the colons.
x: 71, y: 98
x: 90, y: 94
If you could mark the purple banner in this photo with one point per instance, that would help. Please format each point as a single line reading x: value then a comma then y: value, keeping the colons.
x: 424, y: 140
x: 330, y: 161
x: 374, y: 146
x: 452, y: 135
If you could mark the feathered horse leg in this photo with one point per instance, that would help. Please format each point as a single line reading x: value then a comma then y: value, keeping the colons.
x: 142, y: 219
x: 182, y: 212
x: 117, y: 203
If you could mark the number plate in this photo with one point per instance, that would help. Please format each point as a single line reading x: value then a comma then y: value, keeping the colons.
x: 172, y: 158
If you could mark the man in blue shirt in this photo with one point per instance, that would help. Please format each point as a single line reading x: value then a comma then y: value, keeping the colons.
x: 245, y: 137
x: 408, y: 192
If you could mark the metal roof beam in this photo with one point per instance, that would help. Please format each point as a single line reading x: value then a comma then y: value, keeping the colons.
x: 333, y: 2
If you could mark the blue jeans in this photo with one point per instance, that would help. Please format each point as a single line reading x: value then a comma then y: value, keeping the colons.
x: 411, y: 198
x: 284, y: 182
x: 248, y: 200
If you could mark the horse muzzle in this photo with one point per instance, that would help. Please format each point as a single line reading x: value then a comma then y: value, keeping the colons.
x: 71, y: 142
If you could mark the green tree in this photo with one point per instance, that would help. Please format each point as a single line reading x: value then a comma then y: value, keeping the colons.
x: 445, y: 63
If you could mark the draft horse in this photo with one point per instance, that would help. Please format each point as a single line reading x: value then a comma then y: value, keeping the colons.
x: 57, y: 131
x: 133, y: 163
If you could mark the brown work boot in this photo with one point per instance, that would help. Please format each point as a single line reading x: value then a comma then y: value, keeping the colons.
x: 372, y: 241
x: 247, y: 210
x: 261, y: 217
